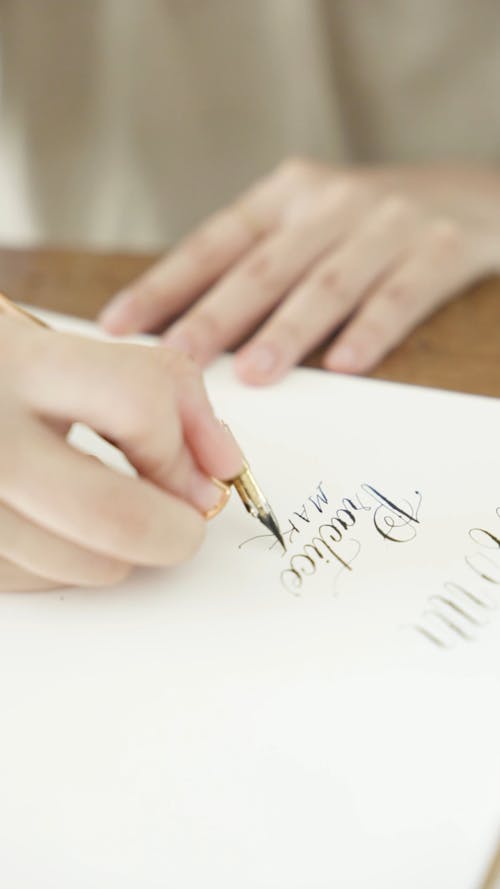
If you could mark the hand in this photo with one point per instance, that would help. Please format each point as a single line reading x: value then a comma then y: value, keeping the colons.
x: 311, y: 253
x: 66, y: 518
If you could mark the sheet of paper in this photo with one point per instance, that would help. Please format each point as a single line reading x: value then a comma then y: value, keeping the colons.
x: 325, y: 717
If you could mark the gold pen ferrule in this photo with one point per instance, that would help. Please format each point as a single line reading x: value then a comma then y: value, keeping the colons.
x: 249, y: 491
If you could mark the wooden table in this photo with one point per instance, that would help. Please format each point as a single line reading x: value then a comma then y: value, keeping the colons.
x: 458, y: 348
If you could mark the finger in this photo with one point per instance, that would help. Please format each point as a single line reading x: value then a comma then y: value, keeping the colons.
x: 14, y: 579
x: 212, y: 444
x: 200, y: 259
x: 250, y: 290
x: 127, y: 394
x: 81, y: 500
x: 439, y: 265
x: 46, y: 555
x: 328, y: 294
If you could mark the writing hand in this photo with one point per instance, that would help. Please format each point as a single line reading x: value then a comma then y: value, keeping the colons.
x: 66, y: 518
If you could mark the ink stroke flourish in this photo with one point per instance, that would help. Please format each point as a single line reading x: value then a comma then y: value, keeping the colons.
x: 393, y: 521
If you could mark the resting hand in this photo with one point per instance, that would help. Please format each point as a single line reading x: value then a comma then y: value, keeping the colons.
x: 311, y: 251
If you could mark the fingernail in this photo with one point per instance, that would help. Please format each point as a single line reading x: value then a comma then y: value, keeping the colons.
x: 209, y: 496
x: 343, y: 358
x: 178, y: 341
x: 259, y: 361
x: 233, y: 455
x: 115, y: 316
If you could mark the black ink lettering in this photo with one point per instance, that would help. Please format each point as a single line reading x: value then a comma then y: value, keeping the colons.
x: 307, y: 559
x: 336, y: 536
x: 390, y: 519
x: 345, y: 524
x: 291, y: 531
x: 292, y: 586
x: 355, y: 544
x: 447, y: 600
x: 316, y: 543
x: 430, y: 636
x: 319, y: 498
x: 455, y: 588
x: 269, y: 537
x: 451, y: 624
x: 302, y: 514
x: 412, y: 517
x: 478, y: 532
x: 350, y: 504
x: 482, y: 573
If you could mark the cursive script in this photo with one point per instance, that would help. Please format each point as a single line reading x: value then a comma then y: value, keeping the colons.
x: 459, y: 611
x: 332, y: 542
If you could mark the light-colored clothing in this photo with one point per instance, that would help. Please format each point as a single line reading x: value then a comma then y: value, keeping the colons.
x: 123, y: 122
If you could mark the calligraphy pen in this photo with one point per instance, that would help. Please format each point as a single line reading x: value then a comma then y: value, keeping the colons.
x: 245, y: 484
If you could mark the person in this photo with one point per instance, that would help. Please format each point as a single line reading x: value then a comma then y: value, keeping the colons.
x: 124, y: 123
x: 67, y: 519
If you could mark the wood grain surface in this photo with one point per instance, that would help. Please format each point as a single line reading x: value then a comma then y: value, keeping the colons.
x: 457, y: 348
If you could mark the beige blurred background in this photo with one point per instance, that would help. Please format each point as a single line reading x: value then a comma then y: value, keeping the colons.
x: 122, y: 123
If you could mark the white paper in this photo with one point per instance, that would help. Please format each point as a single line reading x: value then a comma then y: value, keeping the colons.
x: 212, y: 726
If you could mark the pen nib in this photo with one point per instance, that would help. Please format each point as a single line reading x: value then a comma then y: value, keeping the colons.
x: 269, y: 520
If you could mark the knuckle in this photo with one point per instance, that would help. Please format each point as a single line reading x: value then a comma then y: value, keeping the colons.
x: 158, y: 366
x: 297, y: 168
x: 179, y: 364
x: 446, y: 236
x: 146, y: 288
x: 331, y: 284
x: 261, y: 269
x: 293, y: 165
x: 146, y: 392
x: 201, y: 249
x: 14, y: 448
x: 111, y: 573
x: 397, y: 208
x: 396, y: 292
x: 329, y: 281
x: 370, y: 332
x: 126, y: 522
x: 285, y: 331
x: 13, y: 335
x: 118, y: 575
x: 190, y: 541
x: 351, y: 187
x: 347, y: 192
x: 206, y: 326
x: 139, y: 413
